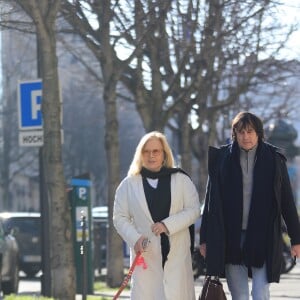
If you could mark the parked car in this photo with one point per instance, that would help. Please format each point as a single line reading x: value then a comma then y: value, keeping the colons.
x: 100, y: 225
x: 9, y: 264
x: 26, y: 226
x: 100, y: 229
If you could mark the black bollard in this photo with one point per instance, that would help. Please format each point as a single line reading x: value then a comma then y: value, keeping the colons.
x: 83, y: 255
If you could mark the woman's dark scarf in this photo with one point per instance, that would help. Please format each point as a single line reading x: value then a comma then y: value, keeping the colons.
x: 159, y: 201
x: 253, y: 252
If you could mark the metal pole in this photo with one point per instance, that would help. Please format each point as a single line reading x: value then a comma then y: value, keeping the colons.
x: 45, y: 237
x: 83, y: 254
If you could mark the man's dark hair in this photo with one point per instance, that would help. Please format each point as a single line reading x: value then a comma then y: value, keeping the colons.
x: 243, y: 120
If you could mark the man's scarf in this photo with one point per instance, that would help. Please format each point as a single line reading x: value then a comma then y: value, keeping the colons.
x: 253, y: 252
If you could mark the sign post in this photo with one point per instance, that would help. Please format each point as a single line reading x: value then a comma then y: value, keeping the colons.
x: 31, y: 134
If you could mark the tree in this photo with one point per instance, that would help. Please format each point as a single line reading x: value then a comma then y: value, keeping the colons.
x: 199, y: 59
x: 99, y: 42
x: 43, y: 15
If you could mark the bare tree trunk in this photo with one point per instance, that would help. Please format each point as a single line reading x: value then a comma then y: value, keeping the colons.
x: 63, y: 281
x: 61, y: 254
x: 111, y: 72
x: 111, y: 68
x: 184, y: 144
x: 114, y: 262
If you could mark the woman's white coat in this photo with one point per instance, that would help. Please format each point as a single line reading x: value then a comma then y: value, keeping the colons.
x: 132, y: 219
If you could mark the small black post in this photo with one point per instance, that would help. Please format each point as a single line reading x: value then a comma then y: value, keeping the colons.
x: 83, y: 254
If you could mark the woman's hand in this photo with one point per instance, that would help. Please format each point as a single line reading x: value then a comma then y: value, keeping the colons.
x: 159, y: 228
x: 202, y: 249
x: 139, y: 246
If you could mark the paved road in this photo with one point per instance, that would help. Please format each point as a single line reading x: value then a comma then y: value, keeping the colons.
x: 287, y: 289
x: 29, y: 286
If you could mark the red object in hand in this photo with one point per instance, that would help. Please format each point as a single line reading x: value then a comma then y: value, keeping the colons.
x: 139, y: 260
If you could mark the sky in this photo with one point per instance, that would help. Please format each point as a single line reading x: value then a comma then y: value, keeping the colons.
x: 290, y: 13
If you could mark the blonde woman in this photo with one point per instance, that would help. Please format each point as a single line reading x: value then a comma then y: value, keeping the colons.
x: 159, y: 202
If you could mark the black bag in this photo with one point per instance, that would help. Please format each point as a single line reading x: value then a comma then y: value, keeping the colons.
x: 212, y: 289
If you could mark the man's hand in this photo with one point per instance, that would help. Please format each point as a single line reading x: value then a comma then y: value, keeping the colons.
x: 295, y: 250
x: 202, y: 249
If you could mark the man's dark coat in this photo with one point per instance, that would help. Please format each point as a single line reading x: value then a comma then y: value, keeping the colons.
x: 283, y: 207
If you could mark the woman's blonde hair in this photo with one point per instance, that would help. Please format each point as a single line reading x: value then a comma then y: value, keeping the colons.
x: 136, y: 164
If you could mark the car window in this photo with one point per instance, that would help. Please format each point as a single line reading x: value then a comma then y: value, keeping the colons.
x: 23, y: 225
x: 27, y: 232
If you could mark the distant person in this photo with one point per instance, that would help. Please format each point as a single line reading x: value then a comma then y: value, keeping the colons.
x: 248, y: 196
x: 159, y: 202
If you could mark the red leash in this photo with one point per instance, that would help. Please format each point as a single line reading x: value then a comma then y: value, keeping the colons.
x: 133, y: 265
x: 128, y: 276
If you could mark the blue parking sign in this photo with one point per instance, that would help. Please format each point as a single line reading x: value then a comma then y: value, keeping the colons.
x: 30, y: 105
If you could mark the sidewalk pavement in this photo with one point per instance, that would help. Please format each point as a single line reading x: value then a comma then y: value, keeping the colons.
x: 287, y: 289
